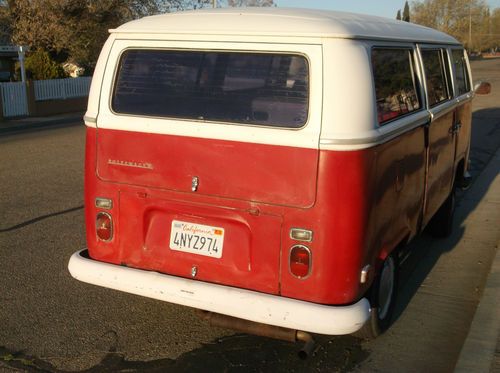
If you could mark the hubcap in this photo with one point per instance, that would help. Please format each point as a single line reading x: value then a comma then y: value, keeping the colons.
x: 386, y: 288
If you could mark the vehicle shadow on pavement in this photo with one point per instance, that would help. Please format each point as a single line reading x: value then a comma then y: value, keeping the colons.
x: 424, y: 251
x: 235, y: 353
x: 29, y: 125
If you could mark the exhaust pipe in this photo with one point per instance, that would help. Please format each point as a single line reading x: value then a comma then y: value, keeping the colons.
x: 263, y: 330
x: 309, y: 344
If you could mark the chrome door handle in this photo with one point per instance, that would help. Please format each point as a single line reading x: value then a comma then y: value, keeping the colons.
x: 456, y: 127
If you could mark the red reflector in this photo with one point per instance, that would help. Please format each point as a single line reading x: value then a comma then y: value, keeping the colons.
x: 300, y: 261
x: 104, y: 226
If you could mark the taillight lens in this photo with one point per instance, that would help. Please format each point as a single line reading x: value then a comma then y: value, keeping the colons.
x: 104, y: 226
x: 300, y: 261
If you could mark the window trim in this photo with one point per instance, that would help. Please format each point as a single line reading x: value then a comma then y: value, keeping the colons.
x: 114, y: 79
x: 445, y: 69
x: 467, y: 72
x: 416, y: 70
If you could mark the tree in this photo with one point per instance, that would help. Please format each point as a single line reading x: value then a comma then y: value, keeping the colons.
x: 406, y: 12
x: 71, y: 28
x: 495, y: 29
x: 76, y: 30
x: 5, y: 23
x: 398, y: 16
x: 462, y: 19
x: 482, y: 39
x: 40, y: 66
x: 239, y: 3
x: 176, y: 5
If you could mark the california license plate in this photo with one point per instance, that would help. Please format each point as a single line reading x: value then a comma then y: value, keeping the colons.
x: 197, y: 239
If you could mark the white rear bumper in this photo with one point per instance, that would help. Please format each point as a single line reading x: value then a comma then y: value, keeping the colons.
x: 241, y: 303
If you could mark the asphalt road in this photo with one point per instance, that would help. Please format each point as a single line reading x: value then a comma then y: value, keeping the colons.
x: 51, y: 322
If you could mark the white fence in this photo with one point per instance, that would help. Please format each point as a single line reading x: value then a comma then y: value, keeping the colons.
x: 15, y: 95
x: 14, y: 99
x: 56, y: 89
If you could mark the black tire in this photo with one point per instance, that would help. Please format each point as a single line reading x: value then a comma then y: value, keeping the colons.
x: 441, y: 224
x: 382, y: 297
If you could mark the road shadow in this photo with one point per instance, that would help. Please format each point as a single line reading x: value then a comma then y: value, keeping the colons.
x: 39, y: 218
x: 424, y: 251
x: 236, y: 353
x: 12, y: 130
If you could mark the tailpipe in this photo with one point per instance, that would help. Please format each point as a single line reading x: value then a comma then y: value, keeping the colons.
x: 263, y: 330
x: 309, y: 344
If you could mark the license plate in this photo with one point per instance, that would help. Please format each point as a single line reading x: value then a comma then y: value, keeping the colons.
x: 197, y: 239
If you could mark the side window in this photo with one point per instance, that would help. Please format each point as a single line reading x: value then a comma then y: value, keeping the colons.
x: 395, y: 83
x: 461, y: 74
x: 436, y: 72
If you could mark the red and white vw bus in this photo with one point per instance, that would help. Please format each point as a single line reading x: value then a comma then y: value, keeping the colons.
x: 265, y: 165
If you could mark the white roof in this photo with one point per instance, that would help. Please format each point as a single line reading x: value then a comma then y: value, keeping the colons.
x: 284, y: 22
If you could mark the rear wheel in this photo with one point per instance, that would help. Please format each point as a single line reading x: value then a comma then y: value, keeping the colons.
x: 382, y: 300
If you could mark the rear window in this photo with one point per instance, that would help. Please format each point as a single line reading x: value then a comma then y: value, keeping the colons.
x: 395, y: 83
x: 436, y: 72
x: 247, y: 88
x: 461, y: 73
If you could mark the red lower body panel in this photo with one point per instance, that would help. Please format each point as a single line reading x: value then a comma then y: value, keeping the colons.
x: 364, y: 203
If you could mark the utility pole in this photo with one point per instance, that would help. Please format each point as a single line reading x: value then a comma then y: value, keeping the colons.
x: 214, y: 4
x: 20, y: 52
x: 470, y: 26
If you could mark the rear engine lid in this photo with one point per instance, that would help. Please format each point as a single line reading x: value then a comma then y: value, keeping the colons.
x: 254, y: 172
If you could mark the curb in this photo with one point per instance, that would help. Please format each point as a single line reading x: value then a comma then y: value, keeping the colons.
x: 479, y: 350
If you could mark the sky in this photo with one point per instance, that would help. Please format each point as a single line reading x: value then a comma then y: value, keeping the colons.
x: 383, y: 8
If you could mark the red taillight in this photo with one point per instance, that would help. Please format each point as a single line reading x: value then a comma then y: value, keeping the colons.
x: 104, y: 226
x: 300, y: 261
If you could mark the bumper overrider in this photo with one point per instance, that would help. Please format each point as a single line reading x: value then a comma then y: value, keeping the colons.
x: 241, y: 303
